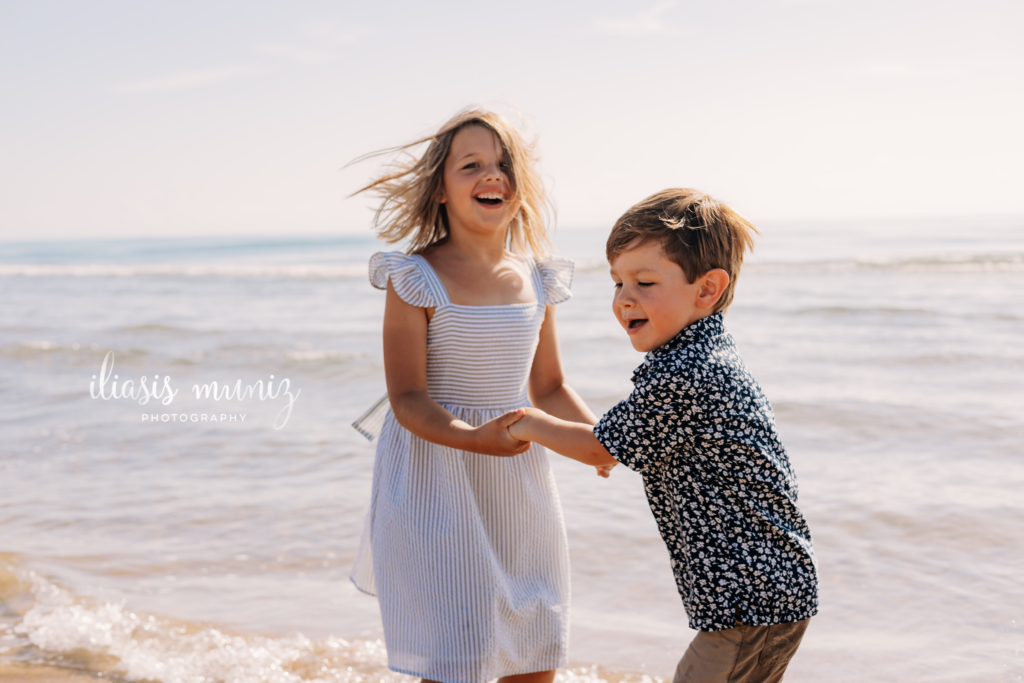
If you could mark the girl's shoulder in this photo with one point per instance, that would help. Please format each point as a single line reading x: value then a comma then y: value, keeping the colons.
x: 411, y: 277
x: 556, y: 277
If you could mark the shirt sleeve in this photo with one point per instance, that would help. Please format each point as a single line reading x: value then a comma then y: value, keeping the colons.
x: 649, y: 426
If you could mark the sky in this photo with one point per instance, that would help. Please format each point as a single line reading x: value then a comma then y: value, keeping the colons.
x: 128, y: 119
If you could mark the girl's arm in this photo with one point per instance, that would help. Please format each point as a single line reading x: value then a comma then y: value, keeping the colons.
x: 548, y: 390
x: 550, y: 393
x: 405, y: 368
x: 574, y: 440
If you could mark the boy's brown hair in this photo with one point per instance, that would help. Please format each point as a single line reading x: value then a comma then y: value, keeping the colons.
x: 696, y: 231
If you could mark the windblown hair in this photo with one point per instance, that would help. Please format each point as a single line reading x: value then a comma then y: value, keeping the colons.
x: 411, y: 187
x: 696, y: 231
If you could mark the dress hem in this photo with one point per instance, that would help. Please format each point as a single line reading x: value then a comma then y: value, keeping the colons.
x: 409, y: 672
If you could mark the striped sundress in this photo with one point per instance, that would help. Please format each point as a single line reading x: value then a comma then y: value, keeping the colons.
x: 466, y: 552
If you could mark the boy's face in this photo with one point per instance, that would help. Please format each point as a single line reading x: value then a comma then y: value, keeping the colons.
x: 653, y: 300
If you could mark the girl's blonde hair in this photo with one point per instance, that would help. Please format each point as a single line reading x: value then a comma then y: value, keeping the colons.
x: 410, y: 188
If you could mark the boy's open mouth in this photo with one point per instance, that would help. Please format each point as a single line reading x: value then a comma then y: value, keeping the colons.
x: 636, y: 323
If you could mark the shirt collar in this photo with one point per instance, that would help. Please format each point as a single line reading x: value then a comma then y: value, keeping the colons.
x: 701, y: 331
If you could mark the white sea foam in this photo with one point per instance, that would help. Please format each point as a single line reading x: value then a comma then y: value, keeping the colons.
x: 984, y: 263
x: 971, y: 263
x: 39, y: 345
x: 148, y: 647
x: 291, y: 271
x: 968, y: 263
x: 311, y: 355
x: 152, y: 648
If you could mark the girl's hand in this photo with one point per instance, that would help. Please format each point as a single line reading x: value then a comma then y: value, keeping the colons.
x: 493, y: 437
x: 605, y: 470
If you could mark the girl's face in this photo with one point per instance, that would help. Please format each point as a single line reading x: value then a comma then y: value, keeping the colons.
x: 477, y: 191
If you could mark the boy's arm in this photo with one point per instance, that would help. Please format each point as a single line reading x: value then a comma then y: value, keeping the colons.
x: 574, y: 440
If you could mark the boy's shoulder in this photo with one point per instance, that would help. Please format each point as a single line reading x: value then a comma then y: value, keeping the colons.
x: 700, y: 376
x: 693, y: 391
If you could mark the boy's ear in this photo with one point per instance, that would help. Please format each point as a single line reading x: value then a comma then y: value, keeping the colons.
x: 712, y: 287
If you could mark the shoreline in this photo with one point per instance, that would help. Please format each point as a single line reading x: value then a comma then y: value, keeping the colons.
x: 45, y: 673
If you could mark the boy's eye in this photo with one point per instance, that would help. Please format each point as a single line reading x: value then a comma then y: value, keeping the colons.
x: 645, y: 284
x: 618, y: 285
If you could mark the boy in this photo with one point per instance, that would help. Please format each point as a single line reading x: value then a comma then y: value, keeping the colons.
x: 700, y: 432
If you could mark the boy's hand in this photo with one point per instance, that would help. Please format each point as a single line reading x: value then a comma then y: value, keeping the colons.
x: 519, y: 428
x: 605, y: 470
x: 523, y: 428
x: 493, y: 437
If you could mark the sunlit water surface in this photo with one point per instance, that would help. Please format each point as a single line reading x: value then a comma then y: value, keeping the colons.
x: 169, y: 551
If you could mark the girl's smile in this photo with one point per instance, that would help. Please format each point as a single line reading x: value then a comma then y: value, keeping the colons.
x: 491, y: 198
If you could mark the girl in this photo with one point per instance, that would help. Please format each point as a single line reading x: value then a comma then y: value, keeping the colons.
x: 465, y: 543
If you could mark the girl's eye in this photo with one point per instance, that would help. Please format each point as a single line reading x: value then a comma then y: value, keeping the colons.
x: 472, y: 164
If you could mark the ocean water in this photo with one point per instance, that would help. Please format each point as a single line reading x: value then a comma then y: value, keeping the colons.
x: 217, y: 549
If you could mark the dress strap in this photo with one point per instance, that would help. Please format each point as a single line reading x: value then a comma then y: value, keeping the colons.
x: 433, y: 280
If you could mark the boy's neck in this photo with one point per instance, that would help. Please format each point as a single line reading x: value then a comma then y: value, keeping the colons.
x: 693, y: 321
x: 698, y: 316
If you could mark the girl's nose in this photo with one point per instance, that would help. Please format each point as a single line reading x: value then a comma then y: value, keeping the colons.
x: 493, y: 172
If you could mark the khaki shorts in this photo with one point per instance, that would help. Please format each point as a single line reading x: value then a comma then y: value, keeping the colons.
x: 745, y: 654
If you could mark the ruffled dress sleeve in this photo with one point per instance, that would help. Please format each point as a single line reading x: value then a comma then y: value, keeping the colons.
x: 556, y: 277
x: 407, y: 276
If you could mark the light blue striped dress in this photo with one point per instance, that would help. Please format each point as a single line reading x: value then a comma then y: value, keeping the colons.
x: 466, y: 552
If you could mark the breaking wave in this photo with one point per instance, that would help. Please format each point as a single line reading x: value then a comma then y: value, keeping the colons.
x: 282, y: 271
x: 109, y: 639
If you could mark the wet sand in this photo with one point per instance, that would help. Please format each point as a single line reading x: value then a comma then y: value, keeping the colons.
x: 13, y: 673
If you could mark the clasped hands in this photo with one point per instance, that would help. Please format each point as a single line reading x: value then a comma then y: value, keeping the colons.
x: 512, y: 433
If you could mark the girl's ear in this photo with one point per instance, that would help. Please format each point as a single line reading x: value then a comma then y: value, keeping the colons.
x: 712, y: 287
x: 440, y: 195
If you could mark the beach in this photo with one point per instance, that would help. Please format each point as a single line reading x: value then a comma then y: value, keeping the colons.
x: 215, y: 544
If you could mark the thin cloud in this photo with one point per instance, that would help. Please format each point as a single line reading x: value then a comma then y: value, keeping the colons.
x: 317, y: 41
x: 648, y: 22
x: 183, y: 81
x: 296, y: 54
x: 908, y: 72
x: 330, y: 32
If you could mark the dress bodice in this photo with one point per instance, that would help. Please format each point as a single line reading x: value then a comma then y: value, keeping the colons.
x: 477, y: 356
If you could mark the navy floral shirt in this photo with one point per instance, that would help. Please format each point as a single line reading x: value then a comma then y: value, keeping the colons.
x: 701, y: 433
